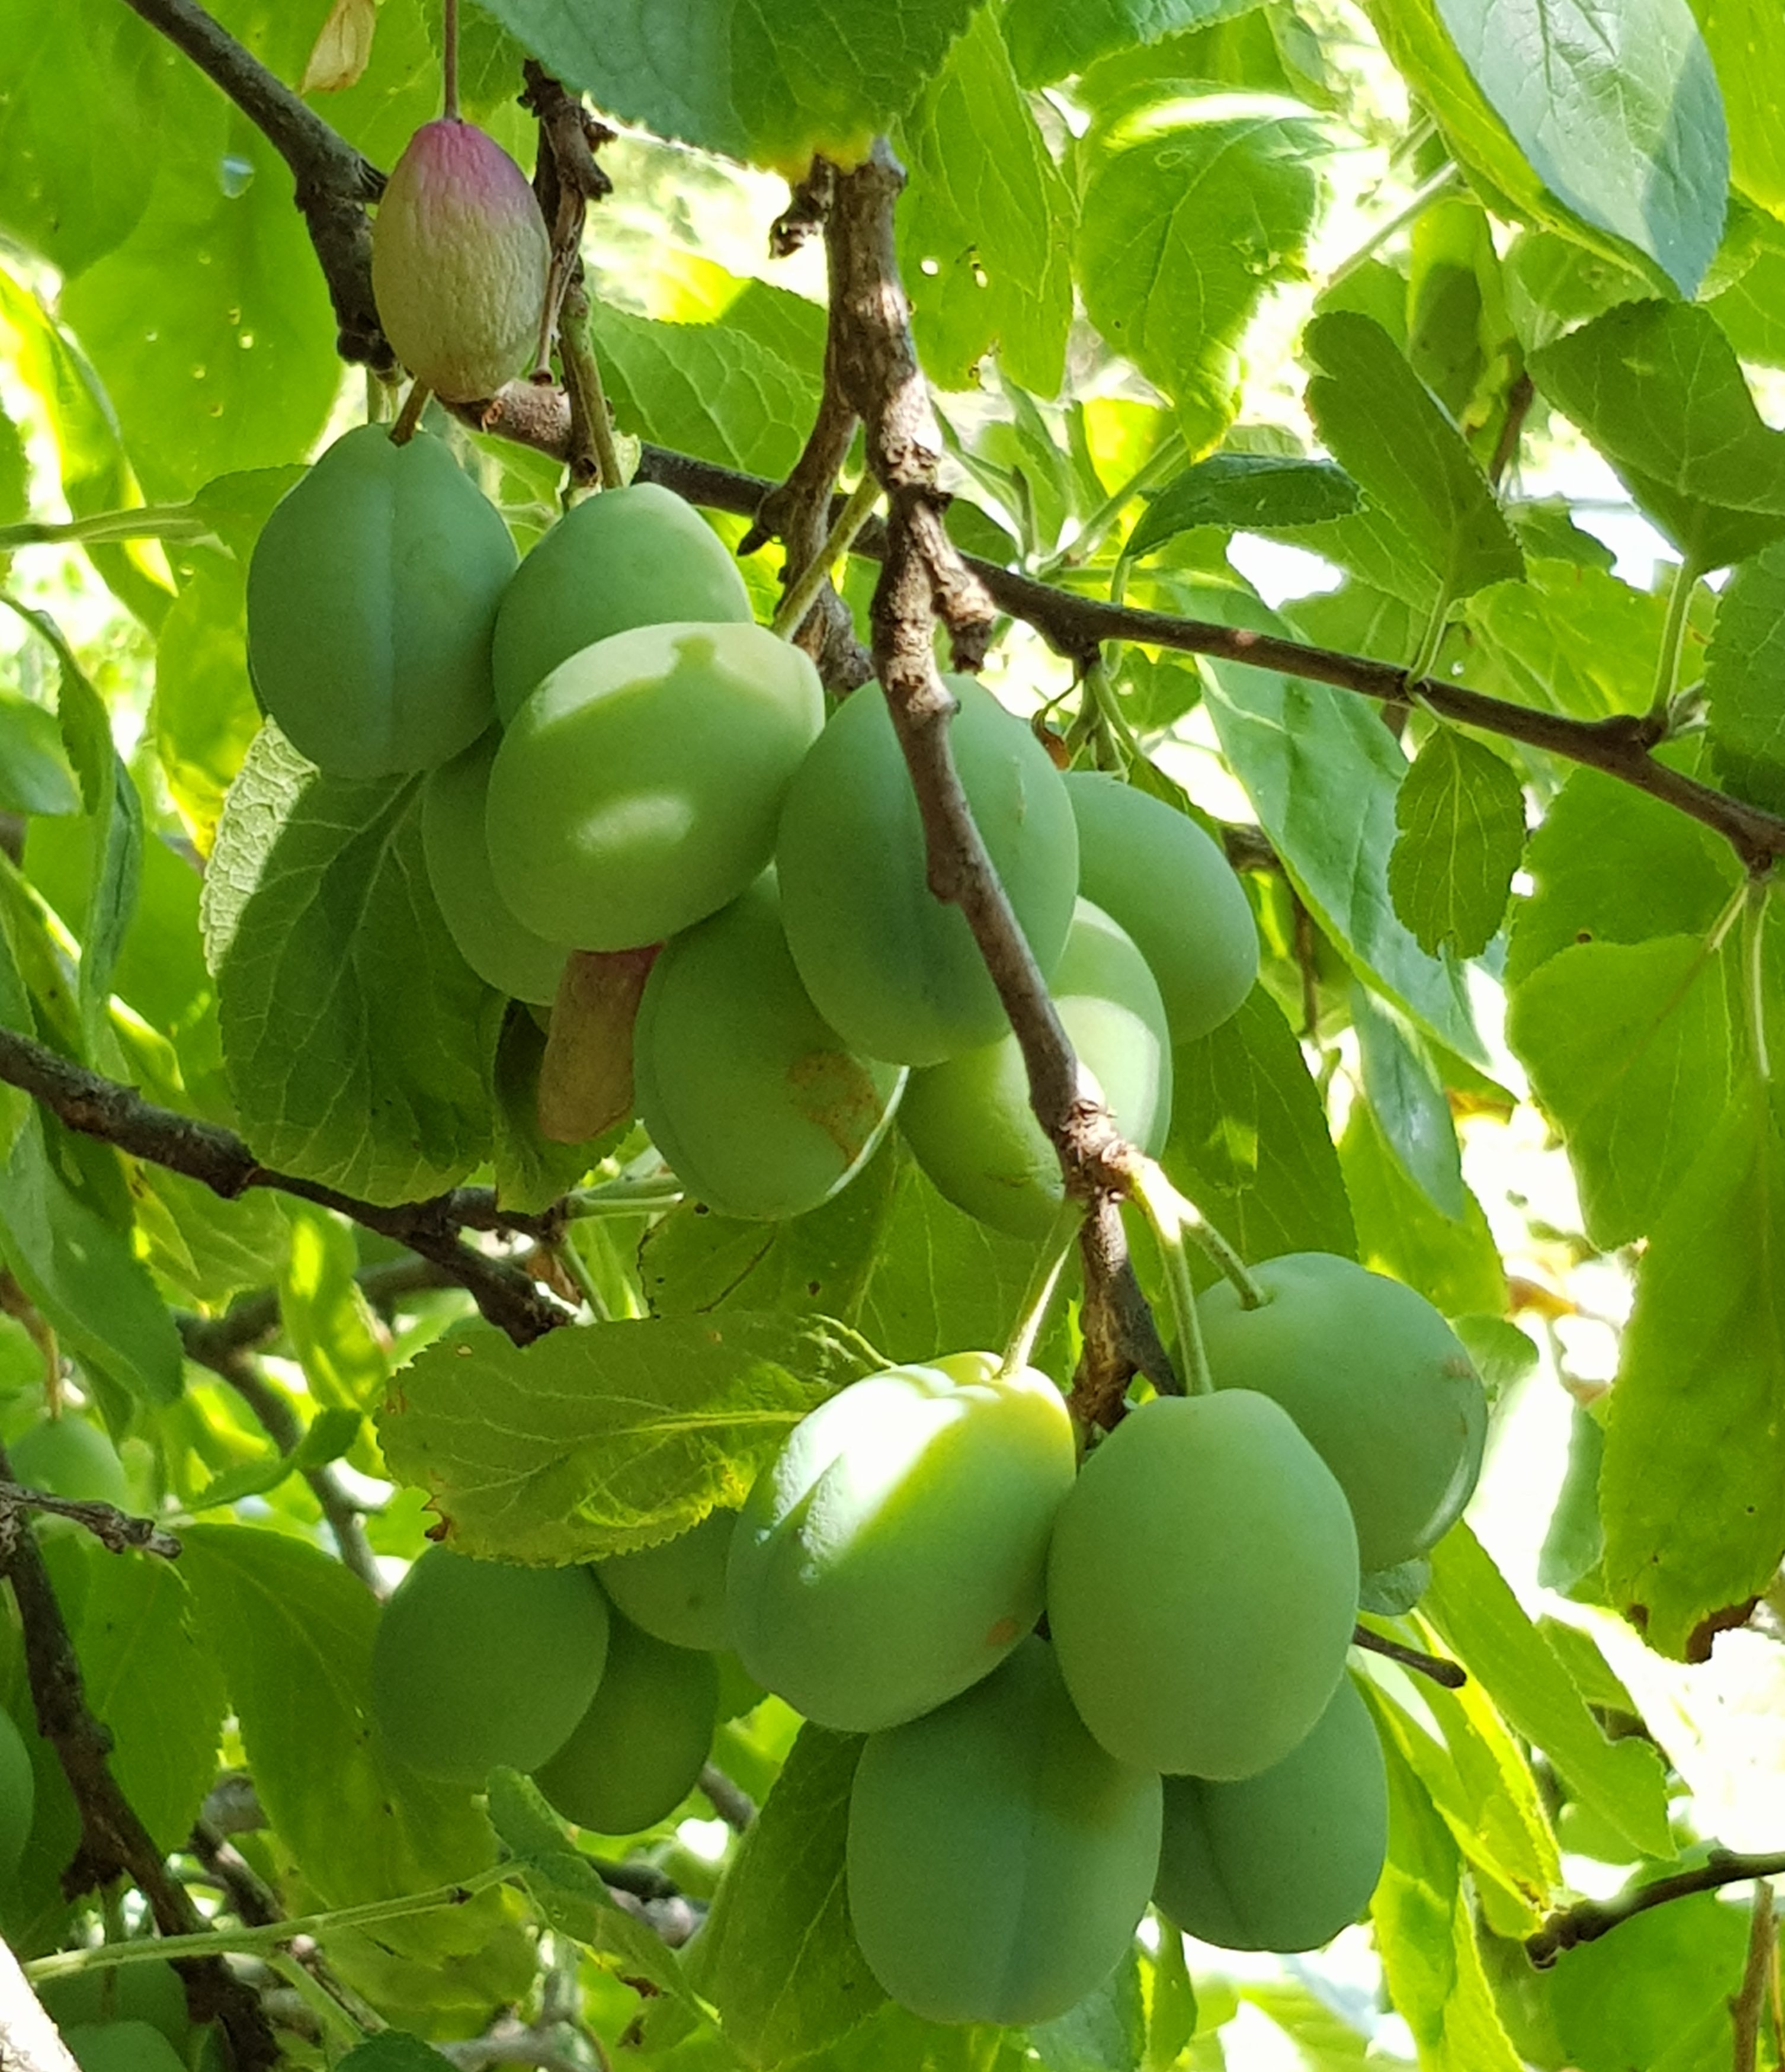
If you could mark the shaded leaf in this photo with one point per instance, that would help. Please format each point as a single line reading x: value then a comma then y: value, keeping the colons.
x: 1051, y: 38
x: 1237, y: 490
x: 1745, y: 681
x: 1410, y: 1103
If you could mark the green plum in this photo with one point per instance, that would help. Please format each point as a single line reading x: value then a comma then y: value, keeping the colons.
x: 675, y: 1591
x: 1156, y: 873
x: 893, y: 1552
x: 894, y: 972
x: 998, y: 1860
x: 371, y: 602
x: 498, y: 947
x: 1202, y: 1586
x: 749, y: 1095
x: 1381, y: 1387
x: 969, y: 1121
x: 637, y: 790
x: 17, y: 1795
x: 481, y: 1662
x: 637, y: 557
x: 635, y: 1755
x: 1285, y: 1860
x: 69, y: 1456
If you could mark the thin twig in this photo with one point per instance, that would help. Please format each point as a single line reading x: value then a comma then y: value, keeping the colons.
x: 1747, y: 2010
x: 733, y: 1804
x: 109, y: 1526
x: 1588, y: 1919
x: 1451, y: 1675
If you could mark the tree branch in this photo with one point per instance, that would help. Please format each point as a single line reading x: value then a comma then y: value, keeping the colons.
x: 220, y: 1160
x: 1588, y: 1919
x: 109, y: 1526
x: 28, y: 2038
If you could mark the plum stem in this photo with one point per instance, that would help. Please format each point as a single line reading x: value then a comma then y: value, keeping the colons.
x: 409, y: 417
x: 1043, y: 1282
x: 1222, y: 1255
x: 1163, y: 1207
x: 802, y: 589
x: 448, y: 59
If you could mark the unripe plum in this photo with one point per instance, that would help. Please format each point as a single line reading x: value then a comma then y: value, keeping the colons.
x: 893, y: 1551
x: 675, y: 1591
x: 637, y: 790
x: 1285, y: 1860
x: 1156, y: 873
x: 17, y: 1795
x: 459, y: 257
x: 750, y: 1097
x: 637, y: 556
x: 635, y: 1755
x: 998, y: 1859
x: 969, y: 1122
x: 1381, y: 1387
x: 121, y: 2046
x: 372, y: 599
x: 481, y: 1662
x: 70, y: 1457
x: 497, y: 945
x: 1202, y: 1586
x: 894, y: 972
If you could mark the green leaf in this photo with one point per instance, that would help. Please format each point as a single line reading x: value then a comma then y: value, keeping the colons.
x: 15, y: 495
x: 1453, y: 1261
x: 1746, y: 39
x: 356, y: 1037
x: 394, y: 2050
x: 1249, y: 1142
x: 1184, y: 226
x: 1384, y: 427
x: 1615, y: 105
x: 693, y: 1261
x: 1106, y: 2031
x: 151, y: 1678
x: 1408, y: 1102
x: 1471, y: 1606
x: 326, y: 1318
x: 986, y: 229
x: 210, y: 326
x: 1570, y: 638
x: 1461, y: 814
x: 776, y: 1956
x: 81, y: 1275
x: 1743, y: 672
x: 294, y: 1631
x: 771, y: 84
x: 1051, y: 38
x: 204, y: 715
x: 1244, y: 490
x: 1171, y: 2017
x: 1628, y: 1047
x: 1691, y: 1487
x: 262, y: 798
x: 598, y: 1439
x: 210, y: 1248
x: 35, y: 776
x: 1658, y: 389
x: 705, y: 388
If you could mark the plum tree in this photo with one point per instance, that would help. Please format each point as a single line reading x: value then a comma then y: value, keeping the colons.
x: 1380, y: 1384
x: 150, y: 1993
x: 459, y: 258
x: 69, y: 1456
x: 634, y: 1754
x: 493, y: 940
x: 746, y: 1090
x: 637, y: 790
x: 893, y: 1551
x: 893, y: 970
x: 1202, y: 1586
x: 371, y: 599
x: 1157, y: 875
x: 637, y: 557
x: 969, y: 1123
x: 675, y: 1591
x: 998, y: 1859
x: 17, y: 1795
x: 481, y: 1662
x: 121, y: 2046
x: 1285, y: 1860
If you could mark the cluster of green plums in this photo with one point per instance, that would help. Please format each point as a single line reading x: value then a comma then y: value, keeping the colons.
x: 619, y: 759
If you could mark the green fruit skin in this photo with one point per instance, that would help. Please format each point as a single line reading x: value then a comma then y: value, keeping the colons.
x: 894, y: 972
x: 635, y: 1755
x: 998, y: 1860
x: 637, y: 557
x: 675, y: 1591
x: 747, y: 1092
x: 17, y: 1796
x: 130, y: 1993
x: 371, y: 599
x: 69, y: 1457
x: 1161, y: 878
x: 638, y: 788
x: 969, y: 1121
x: 498, y: 947
x: 1381, y: 1387
x: 121, y: 2046
x: 481, y: 1662
x: 1202, y: 1586
x: 893, y: 1552
x: 1285, y: 1860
